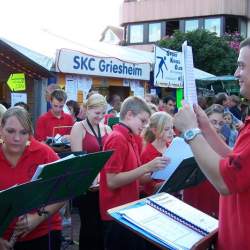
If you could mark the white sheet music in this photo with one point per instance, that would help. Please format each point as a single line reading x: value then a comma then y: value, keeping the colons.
x: 194, y: 216
x: 177, y: 151
x: 190, y: 92
x: 161, y: 226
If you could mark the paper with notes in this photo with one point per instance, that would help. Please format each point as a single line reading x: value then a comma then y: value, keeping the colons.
x: 190, y: 92
x: 170, y: 220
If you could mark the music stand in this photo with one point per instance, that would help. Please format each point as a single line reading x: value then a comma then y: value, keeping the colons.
x: 187, y: 174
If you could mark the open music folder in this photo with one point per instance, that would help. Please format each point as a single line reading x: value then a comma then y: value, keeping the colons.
x: 167, y: 222
x: 58, y: 181
x: 182, y: 171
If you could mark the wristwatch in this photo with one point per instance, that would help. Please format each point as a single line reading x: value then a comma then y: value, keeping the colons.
x: 190, y: 134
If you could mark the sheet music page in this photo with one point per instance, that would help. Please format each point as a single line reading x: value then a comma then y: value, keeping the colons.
x: 190, y: 92
x: 177, y: 151
x: 161, y: 226
x: 189, y: 213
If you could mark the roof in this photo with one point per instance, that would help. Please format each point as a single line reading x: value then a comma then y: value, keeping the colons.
x: 99, y: 49
x: 15, y: 57
x: 118, y: 31
x: 220, y: 78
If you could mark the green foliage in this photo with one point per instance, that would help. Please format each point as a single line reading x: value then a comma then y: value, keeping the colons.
x: 211, y: 53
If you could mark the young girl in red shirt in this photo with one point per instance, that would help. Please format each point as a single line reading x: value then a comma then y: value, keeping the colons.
x: 157, y: 136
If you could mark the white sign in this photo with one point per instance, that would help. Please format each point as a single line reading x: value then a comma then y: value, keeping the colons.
x: 190, y: 92
x: 75, y: 62
x: 18, y: 97
x: 71, y: 87
x: 168, y: 68
x: 137, y: 88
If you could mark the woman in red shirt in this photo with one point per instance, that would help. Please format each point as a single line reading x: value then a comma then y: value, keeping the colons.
x: 20, y: 155
x: 157, y: 136
x: 89, y: 135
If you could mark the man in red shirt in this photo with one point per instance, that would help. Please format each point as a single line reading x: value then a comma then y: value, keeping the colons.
x: 228, y: 170
x: 119, y: 180
x: 55, y: 121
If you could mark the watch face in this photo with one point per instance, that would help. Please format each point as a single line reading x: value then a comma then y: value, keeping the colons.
x: 189, y: 134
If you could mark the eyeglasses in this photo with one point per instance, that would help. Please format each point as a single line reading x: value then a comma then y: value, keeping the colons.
x: 215, y: 122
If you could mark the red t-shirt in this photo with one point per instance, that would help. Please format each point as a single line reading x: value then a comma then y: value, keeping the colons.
x: 36, y: 153
x: 148, y: 154
x: 203, y: 197
x: 125, y: 158
x: 234, y: 219
x: 48, y: 125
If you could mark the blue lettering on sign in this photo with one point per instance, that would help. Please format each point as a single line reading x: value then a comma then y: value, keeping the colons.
x: 84, y: 63
x: 76, y: 61
x: 88, y: 63
x: 119, y: 69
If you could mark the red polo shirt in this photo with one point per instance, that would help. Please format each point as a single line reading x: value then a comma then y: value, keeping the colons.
x: 234, y: 218
x: 203, y: 197
x: 48, y: 125
x: 125, y: 158
x: 148, y: 154
x: 36, y: 153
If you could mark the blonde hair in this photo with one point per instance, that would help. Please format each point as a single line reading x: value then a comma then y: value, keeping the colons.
x: 134, y: 104
x: 96, y: 100
x: 22, y: 116
x: 158, y: 121
x: 2, y: 110
x: 153, y: 107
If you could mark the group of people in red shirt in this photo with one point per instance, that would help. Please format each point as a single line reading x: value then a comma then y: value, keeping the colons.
x: 129, y: 167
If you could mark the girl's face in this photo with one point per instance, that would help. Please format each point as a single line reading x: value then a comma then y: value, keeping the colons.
x: 14, y: 135
x: 167, y: 134
x: 228, y: 119
x: 95, y: 115
x: 216, y: 119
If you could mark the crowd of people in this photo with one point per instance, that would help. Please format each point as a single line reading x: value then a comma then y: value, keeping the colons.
x: 219, y: 141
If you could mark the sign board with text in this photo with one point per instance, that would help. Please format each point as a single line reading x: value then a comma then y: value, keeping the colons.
x: 75, y: 62
x: 16, y: 82
x: 168, y: 68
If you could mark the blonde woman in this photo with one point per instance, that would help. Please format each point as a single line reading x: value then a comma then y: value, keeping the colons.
x: 157, y: 137
x: 89, y: 135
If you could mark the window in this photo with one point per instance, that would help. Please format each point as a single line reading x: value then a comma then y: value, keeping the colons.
x: 136, y: 33
x: 213, y: 25
x: 191, y: 25
x: 231, y: 24
x: 171, y: 26
x: 154, y: 32
x: 243, y: 28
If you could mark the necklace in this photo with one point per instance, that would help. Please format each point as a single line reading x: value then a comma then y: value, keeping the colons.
x: 98, y: 137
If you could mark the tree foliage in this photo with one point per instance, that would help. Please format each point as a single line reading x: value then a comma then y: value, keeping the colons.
x: 211, y: 53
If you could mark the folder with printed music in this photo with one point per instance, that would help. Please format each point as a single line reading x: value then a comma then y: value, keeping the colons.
x: 167, y: 221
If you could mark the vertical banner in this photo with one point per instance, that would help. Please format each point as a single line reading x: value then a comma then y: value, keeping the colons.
x: 190, y: 92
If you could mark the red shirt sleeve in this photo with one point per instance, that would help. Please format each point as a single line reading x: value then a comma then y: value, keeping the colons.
x: 236, y: 172
x: 115, y: 163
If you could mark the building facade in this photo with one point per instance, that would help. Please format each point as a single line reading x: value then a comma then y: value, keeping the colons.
x: 147, y: 21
